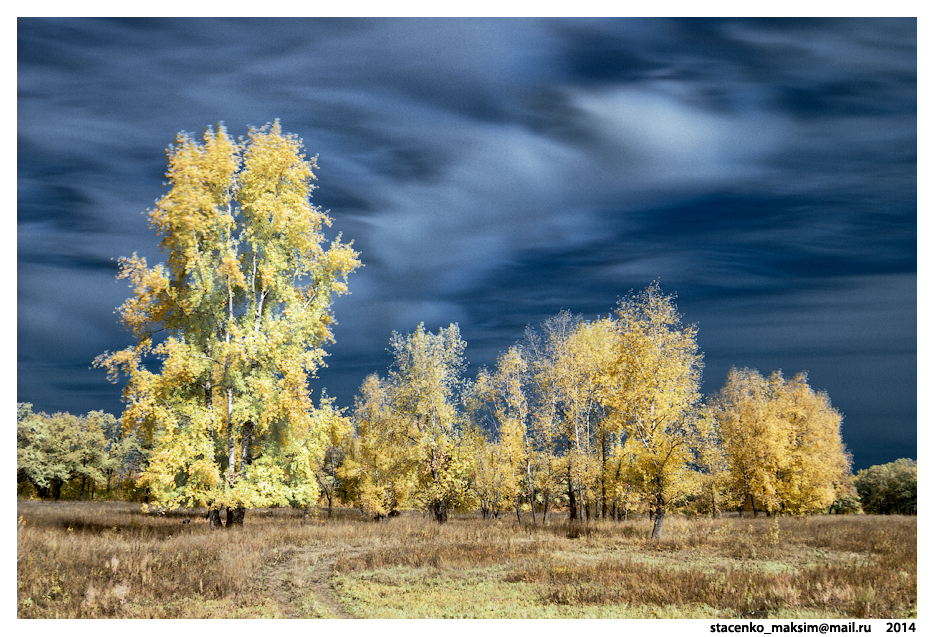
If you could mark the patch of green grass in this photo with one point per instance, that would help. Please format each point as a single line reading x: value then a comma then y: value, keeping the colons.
x: 309, y: 606
x: 414, y: 593
x: 419, y: 593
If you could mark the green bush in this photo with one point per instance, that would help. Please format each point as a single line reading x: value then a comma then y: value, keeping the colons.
x: 66, y: 456
x: 888, y: 488
x: 846, y: 504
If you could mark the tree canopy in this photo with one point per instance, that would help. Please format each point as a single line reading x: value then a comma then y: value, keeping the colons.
x: 889, y: 488
x: 61, y: 452
x: 411, y: 426
x: 781, y: 441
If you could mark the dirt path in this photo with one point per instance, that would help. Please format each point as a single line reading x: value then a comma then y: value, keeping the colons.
x: 300, y: 583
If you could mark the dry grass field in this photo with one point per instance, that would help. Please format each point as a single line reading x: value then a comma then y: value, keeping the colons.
x: 111, y: 560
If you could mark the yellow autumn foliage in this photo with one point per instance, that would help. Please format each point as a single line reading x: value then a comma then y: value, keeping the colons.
x: 242, y: 310
x: 781, y: 441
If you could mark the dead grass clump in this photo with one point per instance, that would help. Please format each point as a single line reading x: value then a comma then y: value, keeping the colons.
x: 609, y: 583
x: 597, y: 530
x: 77, y: 576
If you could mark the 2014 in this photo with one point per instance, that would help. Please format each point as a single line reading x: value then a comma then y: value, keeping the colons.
x: 900, y: 627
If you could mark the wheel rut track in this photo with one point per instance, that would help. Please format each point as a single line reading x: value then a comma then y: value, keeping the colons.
x: 305, y: 571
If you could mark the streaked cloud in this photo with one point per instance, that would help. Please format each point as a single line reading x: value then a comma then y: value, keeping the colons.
x: 493, y: 172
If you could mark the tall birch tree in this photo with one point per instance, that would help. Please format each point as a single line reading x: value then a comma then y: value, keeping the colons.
x: 425, y: 386
x: 817, y: 467
x: 543, y: 348
x: 380, y: 467
x: 652, y: 390
x: 236, y: 319
x: 751, y: 436
x: 504, y: 395
x: 588, y: 353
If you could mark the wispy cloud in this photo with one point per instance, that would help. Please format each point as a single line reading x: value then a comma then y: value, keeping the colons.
x: 492, y: 172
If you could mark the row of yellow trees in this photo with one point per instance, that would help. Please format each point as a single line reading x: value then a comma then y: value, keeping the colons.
x: 604, y: 416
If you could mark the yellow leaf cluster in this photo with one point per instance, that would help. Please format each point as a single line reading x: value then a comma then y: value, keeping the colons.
x: 781, y: 441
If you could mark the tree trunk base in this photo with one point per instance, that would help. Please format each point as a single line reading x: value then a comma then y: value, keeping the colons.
x: 214, y: 518
x: 657, y: 525
x: 235, y: 516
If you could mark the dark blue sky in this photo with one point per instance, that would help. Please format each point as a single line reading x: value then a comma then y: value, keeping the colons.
x: 493, y: 172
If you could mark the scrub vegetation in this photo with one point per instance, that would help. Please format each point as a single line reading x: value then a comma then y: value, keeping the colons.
x: 109, y: 559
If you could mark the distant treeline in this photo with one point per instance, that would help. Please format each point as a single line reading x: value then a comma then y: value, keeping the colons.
x: 539, y: 433
x: 72, y: 457
x: 598, y: 418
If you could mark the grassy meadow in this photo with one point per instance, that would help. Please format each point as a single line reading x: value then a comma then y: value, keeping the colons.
x: 110, y: 560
